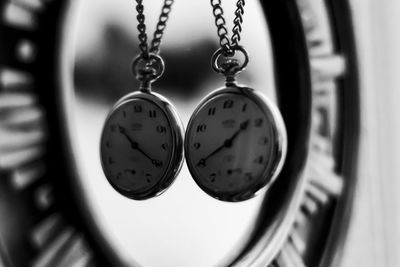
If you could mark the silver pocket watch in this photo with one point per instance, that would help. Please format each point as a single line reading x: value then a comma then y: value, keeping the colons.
x: 236, y: 139
x: 141, y: 145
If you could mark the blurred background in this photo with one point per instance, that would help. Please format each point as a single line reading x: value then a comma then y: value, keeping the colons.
x: 105, y: 26
x: 375, y: 228
x: 184, y: 226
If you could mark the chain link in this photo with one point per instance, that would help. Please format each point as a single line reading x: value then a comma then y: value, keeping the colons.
x: 228, y: 45
x: 158, y: 33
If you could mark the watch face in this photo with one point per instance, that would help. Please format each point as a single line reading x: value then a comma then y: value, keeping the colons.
x: 231, y: 146
x: 136, y: 147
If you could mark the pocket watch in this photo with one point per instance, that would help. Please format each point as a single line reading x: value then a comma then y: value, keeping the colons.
x: 236, y: 139
x: 235, y: 143
x: 141, y: 145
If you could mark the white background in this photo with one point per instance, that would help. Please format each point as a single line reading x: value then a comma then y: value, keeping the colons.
x: 375, y: 231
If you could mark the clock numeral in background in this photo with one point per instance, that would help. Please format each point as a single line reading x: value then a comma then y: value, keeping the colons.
x: 228, y: 104
x: 108, y: 144
x: 258, y: 122
x: 212, y: 177
x: 124, y: 114
x: 244, y: 108
x: 211, y: 111
x: 164, y: 146
x: 111, y: 160
x: 152, y: 113
x: 259, y: 160
x: 197, y: 146
x: 201, y: 128
x: 113, y: 128
x: 161, y: 129
x: 137, y: 108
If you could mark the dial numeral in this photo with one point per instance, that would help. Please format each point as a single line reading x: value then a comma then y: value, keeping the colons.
x: 161, y: 129
x: 158, y: 163
x: 259, y: 160
x: 138, y: 108
x: 213, y: 176
x: 152, y: 113
x: 244, y: 108
x: 165, y: 146
x: 113, y: 128
x: 258, y: 122
x: 108, y: 144
x: 201, y: 128
x: 148, y: 177
x: 124, y: 114
x: 264, y: 141
x: 197, y: 146
x: 211, y: 111
x: 228, y: 104
x: 111, y: 160
x: 201, y: 163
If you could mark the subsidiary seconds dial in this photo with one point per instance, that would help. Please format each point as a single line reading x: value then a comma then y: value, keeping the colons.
x: 235, y: 144
x: 141, y: 150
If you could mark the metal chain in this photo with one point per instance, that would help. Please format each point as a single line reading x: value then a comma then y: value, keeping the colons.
x: 159, y: 32
x: 237, y: 28
x: 226, y: 44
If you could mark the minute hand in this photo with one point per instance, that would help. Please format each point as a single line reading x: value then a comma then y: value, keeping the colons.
x: 228, y: 142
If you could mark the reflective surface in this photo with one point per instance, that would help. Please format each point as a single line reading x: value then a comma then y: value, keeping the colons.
x: 183, y: 215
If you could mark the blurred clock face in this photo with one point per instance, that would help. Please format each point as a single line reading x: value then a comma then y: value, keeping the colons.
x: 230, y: 146
x: 136, y: 146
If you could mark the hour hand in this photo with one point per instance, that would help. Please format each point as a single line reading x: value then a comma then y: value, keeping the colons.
x: 135, y: 146
x: 122, y: 130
